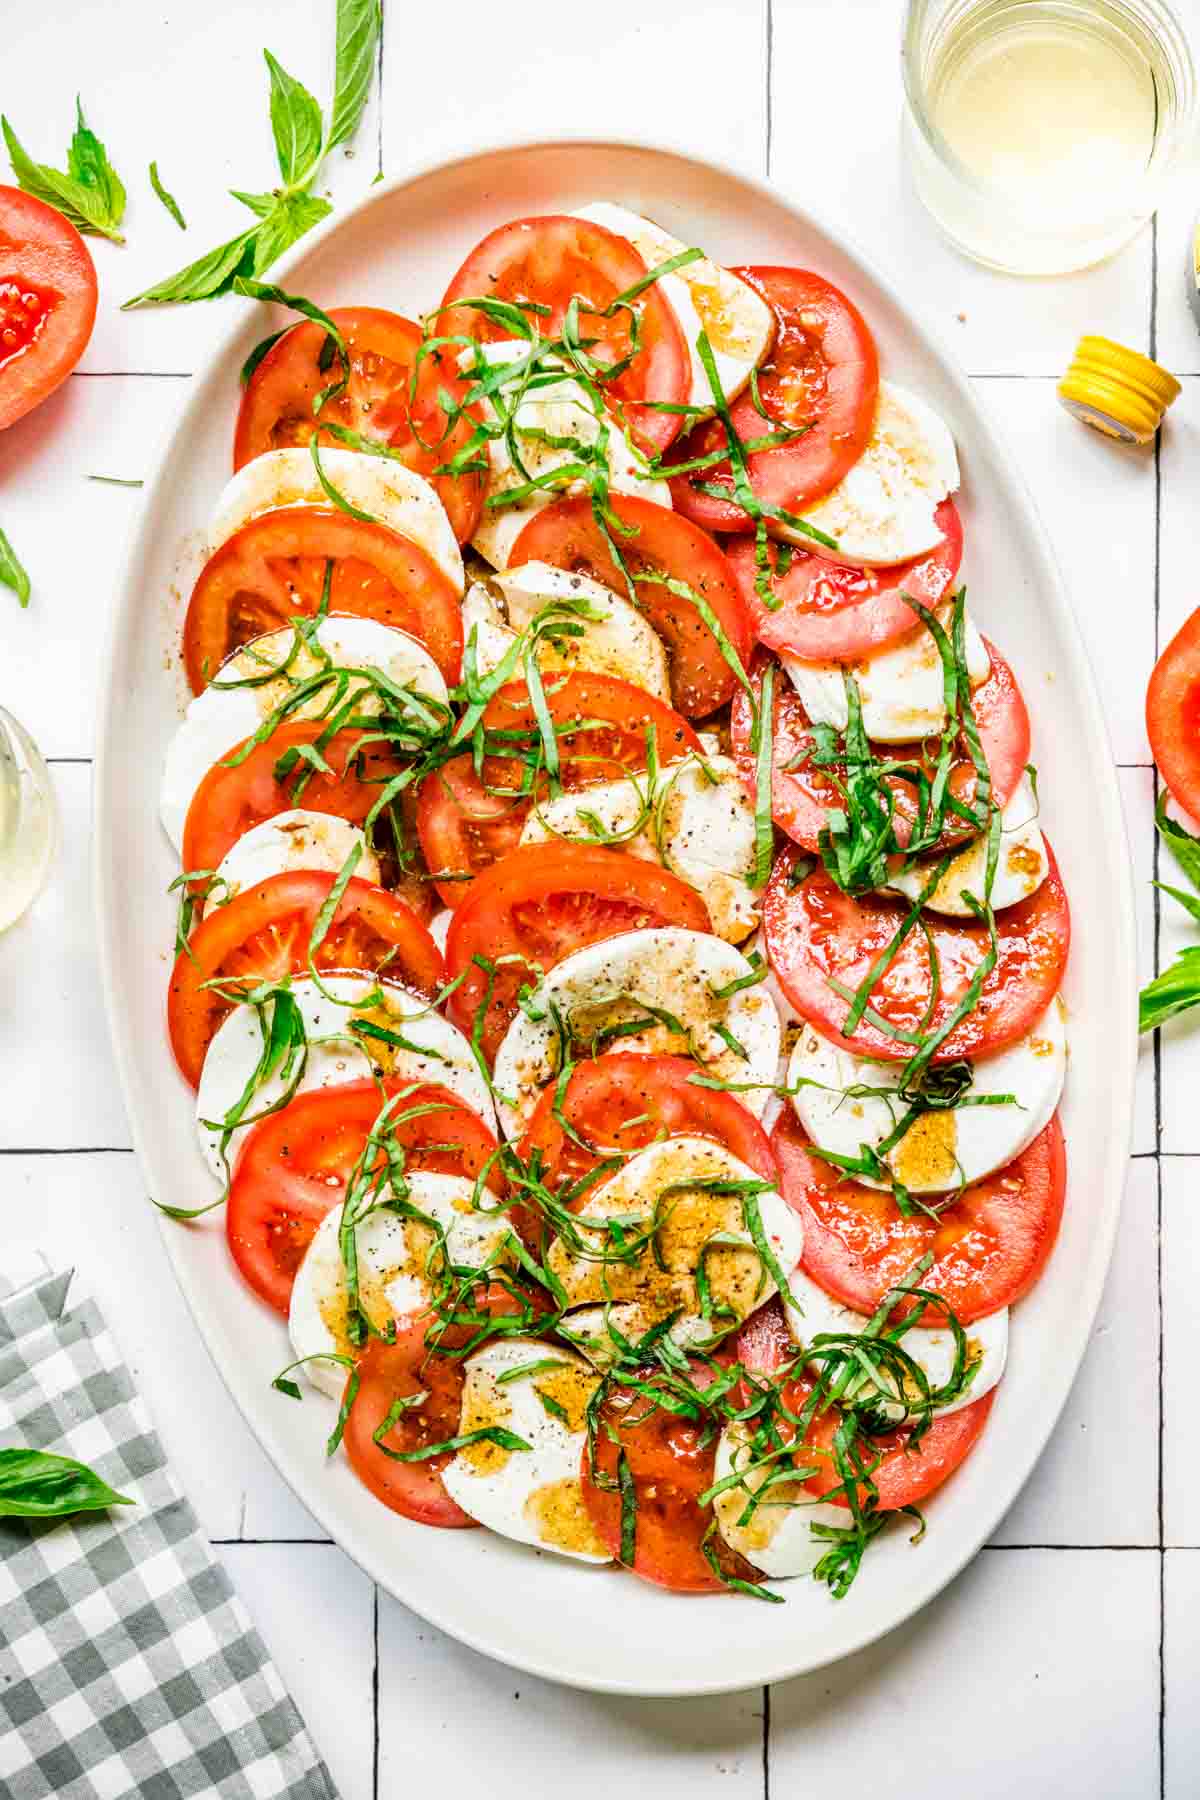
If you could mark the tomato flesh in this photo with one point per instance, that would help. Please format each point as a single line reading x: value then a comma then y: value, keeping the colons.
x: 47, y: 301
x: 464, y: 829
x: 601, y: 726
x: 388, y: 1372
x: 1173, y: 716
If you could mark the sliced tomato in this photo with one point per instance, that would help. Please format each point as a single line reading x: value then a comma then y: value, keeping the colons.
x: 264, y: 934
x: 378, y: 403
x: 538, y: 904
x: 623, y: 1101
x: 802, y: 793
x: 908, y: 1472
x: 388, y: 1372
x: 601, y: 729
x: 989, y: 1247
x: 829, y: 612
x: 671, y: 1461
x: 553, y: 260
x: 816, y: 934
x: 47, y: 301
x: 274, y: 569
x: 663, y: 545
x: 464, y: 829
x: 822, y: 374
x: 296, y: 1163
x: 1173, y: 715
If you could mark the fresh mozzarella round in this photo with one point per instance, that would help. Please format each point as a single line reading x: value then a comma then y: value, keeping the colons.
x: 1020, y: 869
x: 677, y: 1184
x: 945, y: 1147
x: 534, y: 1495
x: 293, y: 840
x: 699, y: 823
x: 439, y: 927
x: 390, y: 492
x: 704, y: 297
x: 399, y: 1259
x: 221, y: 717
x: 930, y: 1346
x: 602, y: 634
x: 776, y: 1535
x: 902, y: 689
x: 882, y: 510
x: 623, y: 979
x: 441, y: 1054
x: 548, y: 411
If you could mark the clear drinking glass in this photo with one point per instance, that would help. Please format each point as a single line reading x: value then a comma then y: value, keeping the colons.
x: 1040, y: 133
x: 28, y: 821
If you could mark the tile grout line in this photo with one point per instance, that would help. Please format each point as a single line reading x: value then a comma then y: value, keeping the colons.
x: 1158, y: 1118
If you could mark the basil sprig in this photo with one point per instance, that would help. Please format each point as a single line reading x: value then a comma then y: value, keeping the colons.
x: 89, y: 193
x: 1177, y: 989
x: 37, y: 1485
x: 12, y: 571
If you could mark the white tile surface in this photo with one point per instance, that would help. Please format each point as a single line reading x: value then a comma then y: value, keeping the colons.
x: 1181, y: 1347
x: 1181, y: 1641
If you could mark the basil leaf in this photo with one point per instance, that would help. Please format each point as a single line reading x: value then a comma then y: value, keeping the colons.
x: 295, y: 214
x: 90, y: 194
x: 37, y: 1485
x: 87, y: 161
x: 295, y: 124
x: 260, y: 204
x: 209, y: 275
x: 1174, y: 991
x: 12, y: 574
x: 1183, y: 846
x: 357, y: 39
x: 1189, y: 902
x: 168, y: 200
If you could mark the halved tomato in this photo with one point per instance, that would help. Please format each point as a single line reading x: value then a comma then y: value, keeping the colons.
x: 816, y: 936
x: 989, y: 1247
x: 47, y: 301
x: 553, y: 260
x: 537, y: 905
x: 295, y: 1165
x: 802, y: 793
x: 464, y: 829
x: 274, y: 570
x: 1173, y: 715
x: 821, y: 374
x: 566, y: 534
x: 829, y: 612
x: 264, y: 935
x: 402, y: 1370
x: 277, y: 407
x: 621, y: 1102
x: 601, y: 725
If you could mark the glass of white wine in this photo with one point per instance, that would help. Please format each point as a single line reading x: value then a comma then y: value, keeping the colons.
x: 28, y: 821
x: 1040, y: 133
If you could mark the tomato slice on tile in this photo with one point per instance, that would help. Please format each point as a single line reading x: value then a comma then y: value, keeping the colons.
x: 1173, y: 715
x: 47, y: 301
x: 989, y: 1247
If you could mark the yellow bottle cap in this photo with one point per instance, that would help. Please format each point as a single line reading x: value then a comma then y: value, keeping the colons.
x: 1118, y: 391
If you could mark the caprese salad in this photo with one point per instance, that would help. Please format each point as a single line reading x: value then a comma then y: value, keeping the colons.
x: 618, y: 958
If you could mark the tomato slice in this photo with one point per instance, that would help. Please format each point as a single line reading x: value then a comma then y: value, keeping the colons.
x: 296, y: 1163
x: 829, y: 612
x: 464, y: 829
x: 601, y: 724
x: 274, y: 570
x: 552, y: 260
x: 277, y: 406
x: 388, y: 1372
x: 566, y: 534
x: 822, y: 373
x: 802, y: 793
x: 623, y: 1101
x: 47, y: 301
x: 264, y: 935
x: 989, y: 1247
x: 816, y: 934
x: 671, y: 1461
x: 1173, y: 715
x: 541, y: 902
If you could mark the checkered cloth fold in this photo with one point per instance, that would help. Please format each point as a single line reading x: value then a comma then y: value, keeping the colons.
x: 128, y: 1665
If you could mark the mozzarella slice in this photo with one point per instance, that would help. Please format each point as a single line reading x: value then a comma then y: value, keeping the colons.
x: 221, y: 717
x: 552, y: 410
x: 1020, y: 869
x: 774, y: 1535
x: 293, y: 840
x: 534, y: 1495
x: 619, y: 980
x: 930, y: 1346
x: 440, y: 1054
x: 882, y: 510
x: 610, y: 637
x: 439, y: 927
x: 704, y: 297
x: 901, y: 689
x: 399, y: 1260
x: 391, y: 493
x: 943, y: 1148
x: 676, y: 1184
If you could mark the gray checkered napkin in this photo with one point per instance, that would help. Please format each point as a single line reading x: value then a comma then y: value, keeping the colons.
x: 128, y: 1665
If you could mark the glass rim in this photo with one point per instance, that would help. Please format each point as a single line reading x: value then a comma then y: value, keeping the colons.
x: 1179, y: 50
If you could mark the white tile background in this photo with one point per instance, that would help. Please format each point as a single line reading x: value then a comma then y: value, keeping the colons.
x: 1076, y: 1632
